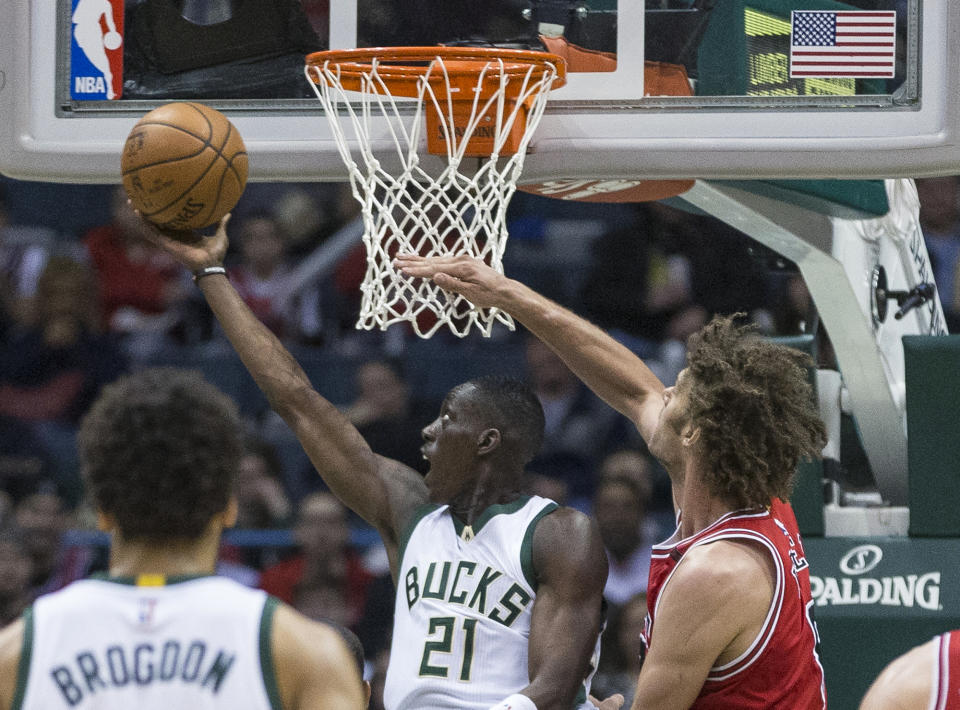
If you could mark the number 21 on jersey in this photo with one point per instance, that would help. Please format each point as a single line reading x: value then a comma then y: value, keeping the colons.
x: 447, y: 629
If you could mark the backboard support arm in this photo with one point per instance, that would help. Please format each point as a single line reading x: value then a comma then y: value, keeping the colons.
x: 835, y: 257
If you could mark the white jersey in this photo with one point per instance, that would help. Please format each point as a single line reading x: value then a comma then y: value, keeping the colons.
x: 151, y: 643
x: 464, y: 600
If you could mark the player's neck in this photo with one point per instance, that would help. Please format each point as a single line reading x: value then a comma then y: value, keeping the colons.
x: 131, y: 558
x: 470, y: 506
x: 699, y: 507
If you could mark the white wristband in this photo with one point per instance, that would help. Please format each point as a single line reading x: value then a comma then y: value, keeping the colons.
x: 208, y: 271
x: 517, y: 701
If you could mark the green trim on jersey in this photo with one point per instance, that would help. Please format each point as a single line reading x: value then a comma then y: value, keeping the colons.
x: 26, y: 652
x: 266, y: 653
x: 581, y: 696
x: 526, y: 547
x: 150, y: 580
x: 485, y: 517
x: 419, y: 513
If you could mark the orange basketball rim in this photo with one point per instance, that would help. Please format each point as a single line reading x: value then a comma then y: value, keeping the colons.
x: 460, y: 80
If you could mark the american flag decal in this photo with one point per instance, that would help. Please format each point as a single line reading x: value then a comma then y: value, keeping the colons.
x: 847, y: 44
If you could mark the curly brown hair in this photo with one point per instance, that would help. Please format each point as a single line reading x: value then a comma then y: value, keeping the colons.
x: 754, y: 405
x: 159, y: 450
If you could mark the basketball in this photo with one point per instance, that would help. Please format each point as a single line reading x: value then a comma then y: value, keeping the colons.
x: 184, y: 166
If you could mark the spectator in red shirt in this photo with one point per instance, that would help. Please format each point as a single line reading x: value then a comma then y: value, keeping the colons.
x: 326, y: 579
x: 140, y: 287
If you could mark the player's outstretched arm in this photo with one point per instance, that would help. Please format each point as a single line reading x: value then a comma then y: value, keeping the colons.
x: 907, y: 682
x: 571, y: 571
x: 313, y: 668
x: 617, y: 375
x: 382, y: 491
x: 11, y: 644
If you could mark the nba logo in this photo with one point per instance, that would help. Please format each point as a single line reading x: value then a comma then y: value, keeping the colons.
x: 145, y: 614
x: 96, y: 50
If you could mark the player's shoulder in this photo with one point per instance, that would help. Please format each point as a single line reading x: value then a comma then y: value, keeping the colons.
x: 297, y: 637
x: 723, y: 580
x: 11, y: 645
x: 906, y: 682
x: 311, y: 663
x: 729, y: 565
x: 726, y: 555
x: 568, y: 541
x: 563, y: 519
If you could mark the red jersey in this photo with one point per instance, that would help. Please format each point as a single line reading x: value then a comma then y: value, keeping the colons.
x: 947, y: 691
x: 781, y: 669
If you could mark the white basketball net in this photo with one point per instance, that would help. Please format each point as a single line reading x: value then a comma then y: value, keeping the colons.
x: 411, y: 211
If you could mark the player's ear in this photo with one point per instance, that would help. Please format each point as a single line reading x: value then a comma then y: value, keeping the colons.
x: 231, y: 512
x: 690, y: 435
x: 488, y: 440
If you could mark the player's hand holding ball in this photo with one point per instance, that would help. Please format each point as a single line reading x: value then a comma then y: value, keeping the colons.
x: 194, y: 251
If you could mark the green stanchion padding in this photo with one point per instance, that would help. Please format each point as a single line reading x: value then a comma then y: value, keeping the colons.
x: 806, y: 343
x: 601, y: 5
x: 722, y: 55
x: 844, y: 199
x: 807, y: 498
x: 854, y: 652
x: 932, y: 378
x: 875, y: 598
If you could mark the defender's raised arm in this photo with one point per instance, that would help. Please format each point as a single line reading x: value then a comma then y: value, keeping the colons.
x: 618, y: 376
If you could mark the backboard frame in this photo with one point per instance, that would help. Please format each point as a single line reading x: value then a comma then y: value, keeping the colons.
x: 583, y: 134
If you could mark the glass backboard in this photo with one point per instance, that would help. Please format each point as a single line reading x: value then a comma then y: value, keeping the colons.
x: 661, y: 89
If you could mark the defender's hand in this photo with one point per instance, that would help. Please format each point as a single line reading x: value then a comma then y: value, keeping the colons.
x: 614, y: 702
x: 470, y: 277
x: 192, y: 250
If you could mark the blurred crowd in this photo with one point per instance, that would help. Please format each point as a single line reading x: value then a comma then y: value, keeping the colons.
x: 84, y: 299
